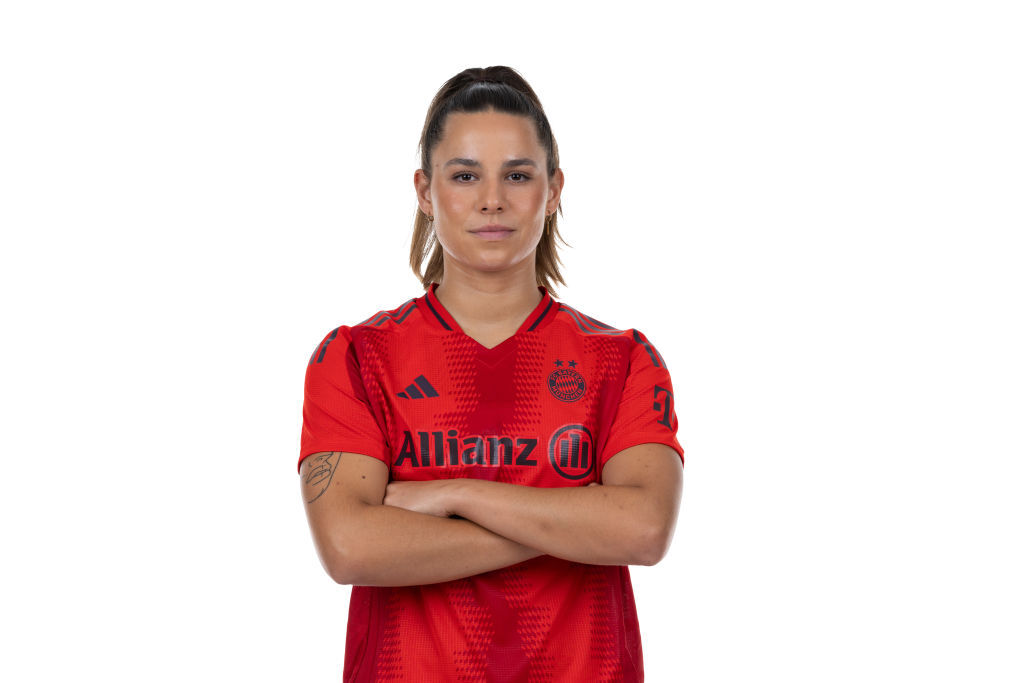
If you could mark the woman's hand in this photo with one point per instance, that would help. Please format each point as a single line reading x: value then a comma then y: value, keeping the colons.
x: 428, y: 497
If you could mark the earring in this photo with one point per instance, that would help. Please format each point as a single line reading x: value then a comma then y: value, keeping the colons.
x: 430, y: 219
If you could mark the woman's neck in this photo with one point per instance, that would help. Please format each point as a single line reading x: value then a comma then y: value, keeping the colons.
x: 488, y: 300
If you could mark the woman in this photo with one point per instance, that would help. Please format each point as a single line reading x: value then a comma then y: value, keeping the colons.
x: 482, y: 462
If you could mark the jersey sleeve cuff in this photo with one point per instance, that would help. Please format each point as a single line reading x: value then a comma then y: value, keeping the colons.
x: 374, y: 450
x: 619, y: 447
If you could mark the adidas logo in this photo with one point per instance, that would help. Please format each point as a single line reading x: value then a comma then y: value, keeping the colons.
x: 420, y: 388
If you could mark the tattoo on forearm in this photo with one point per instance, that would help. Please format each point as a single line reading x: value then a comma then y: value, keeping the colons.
x: 319, y: 473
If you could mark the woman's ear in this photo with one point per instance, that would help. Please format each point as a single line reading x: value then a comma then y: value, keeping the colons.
x: 422, y: 184
x: 555, y: 185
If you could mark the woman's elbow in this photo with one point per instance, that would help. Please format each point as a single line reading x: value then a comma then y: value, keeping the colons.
x: 341, y: 572
x: 341, y: 545
x: 341, y: 562
x: 654, y: 544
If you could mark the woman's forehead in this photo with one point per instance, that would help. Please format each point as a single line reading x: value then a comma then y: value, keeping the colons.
x: 488, y: 136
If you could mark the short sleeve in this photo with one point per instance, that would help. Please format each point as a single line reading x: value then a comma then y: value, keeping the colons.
x: 336, y: 413
x: 646, y: 412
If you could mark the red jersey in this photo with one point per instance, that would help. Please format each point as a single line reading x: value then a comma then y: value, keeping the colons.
x: 546, y: 407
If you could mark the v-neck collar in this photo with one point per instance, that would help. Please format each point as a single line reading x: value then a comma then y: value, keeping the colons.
x: 436, y: 314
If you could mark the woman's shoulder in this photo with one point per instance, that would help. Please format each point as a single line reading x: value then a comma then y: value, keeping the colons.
x: 632, y: 340
x: 585, y: 323
x: 383, y: 320
x: 391, y: 317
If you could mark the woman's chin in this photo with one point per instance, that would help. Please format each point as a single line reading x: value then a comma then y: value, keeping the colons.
x: 495, y: 264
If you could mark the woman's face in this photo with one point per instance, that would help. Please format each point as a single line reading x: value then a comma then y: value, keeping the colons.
x: 489, y: 169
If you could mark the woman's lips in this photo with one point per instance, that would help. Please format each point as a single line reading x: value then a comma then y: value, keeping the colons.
x: 494, y: 234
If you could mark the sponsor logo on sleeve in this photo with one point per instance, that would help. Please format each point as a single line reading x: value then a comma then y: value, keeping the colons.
x: 663, y: 404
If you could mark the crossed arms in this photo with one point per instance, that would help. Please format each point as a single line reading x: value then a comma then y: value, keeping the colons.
x: 368, y: 531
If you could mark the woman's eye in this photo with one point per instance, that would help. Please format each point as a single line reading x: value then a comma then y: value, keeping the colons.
x: 516, y: 177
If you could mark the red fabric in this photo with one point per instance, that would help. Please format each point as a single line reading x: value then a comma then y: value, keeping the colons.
x: 547, y: 407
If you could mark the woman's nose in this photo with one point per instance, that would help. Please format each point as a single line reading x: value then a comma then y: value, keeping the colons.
x: 491, y: 196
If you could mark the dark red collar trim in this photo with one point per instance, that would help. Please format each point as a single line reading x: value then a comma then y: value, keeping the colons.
x: 545, y: 309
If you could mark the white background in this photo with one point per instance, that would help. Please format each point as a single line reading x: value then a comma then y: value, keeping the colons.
x: 813, y: 210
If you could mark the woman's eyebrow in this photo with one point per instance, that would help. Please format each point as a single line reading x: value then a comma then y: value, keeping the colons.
x: 459, y: 161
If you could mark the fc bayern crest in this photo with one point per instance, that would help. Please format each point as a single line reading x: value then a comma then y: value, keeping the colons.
x: 566, y: 384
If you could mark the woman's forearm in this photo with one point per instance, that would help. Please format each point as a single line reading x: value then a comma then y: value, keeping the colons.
x: 389, y: 546
x: 591, y: 524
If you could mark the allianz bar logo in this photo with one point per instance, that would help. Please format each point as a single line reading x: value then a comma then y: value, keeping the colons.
x: 570, y: 450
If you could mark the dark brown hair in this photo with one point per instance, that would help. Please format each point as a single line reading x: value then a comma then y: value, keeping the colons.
x: 502, y: 89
